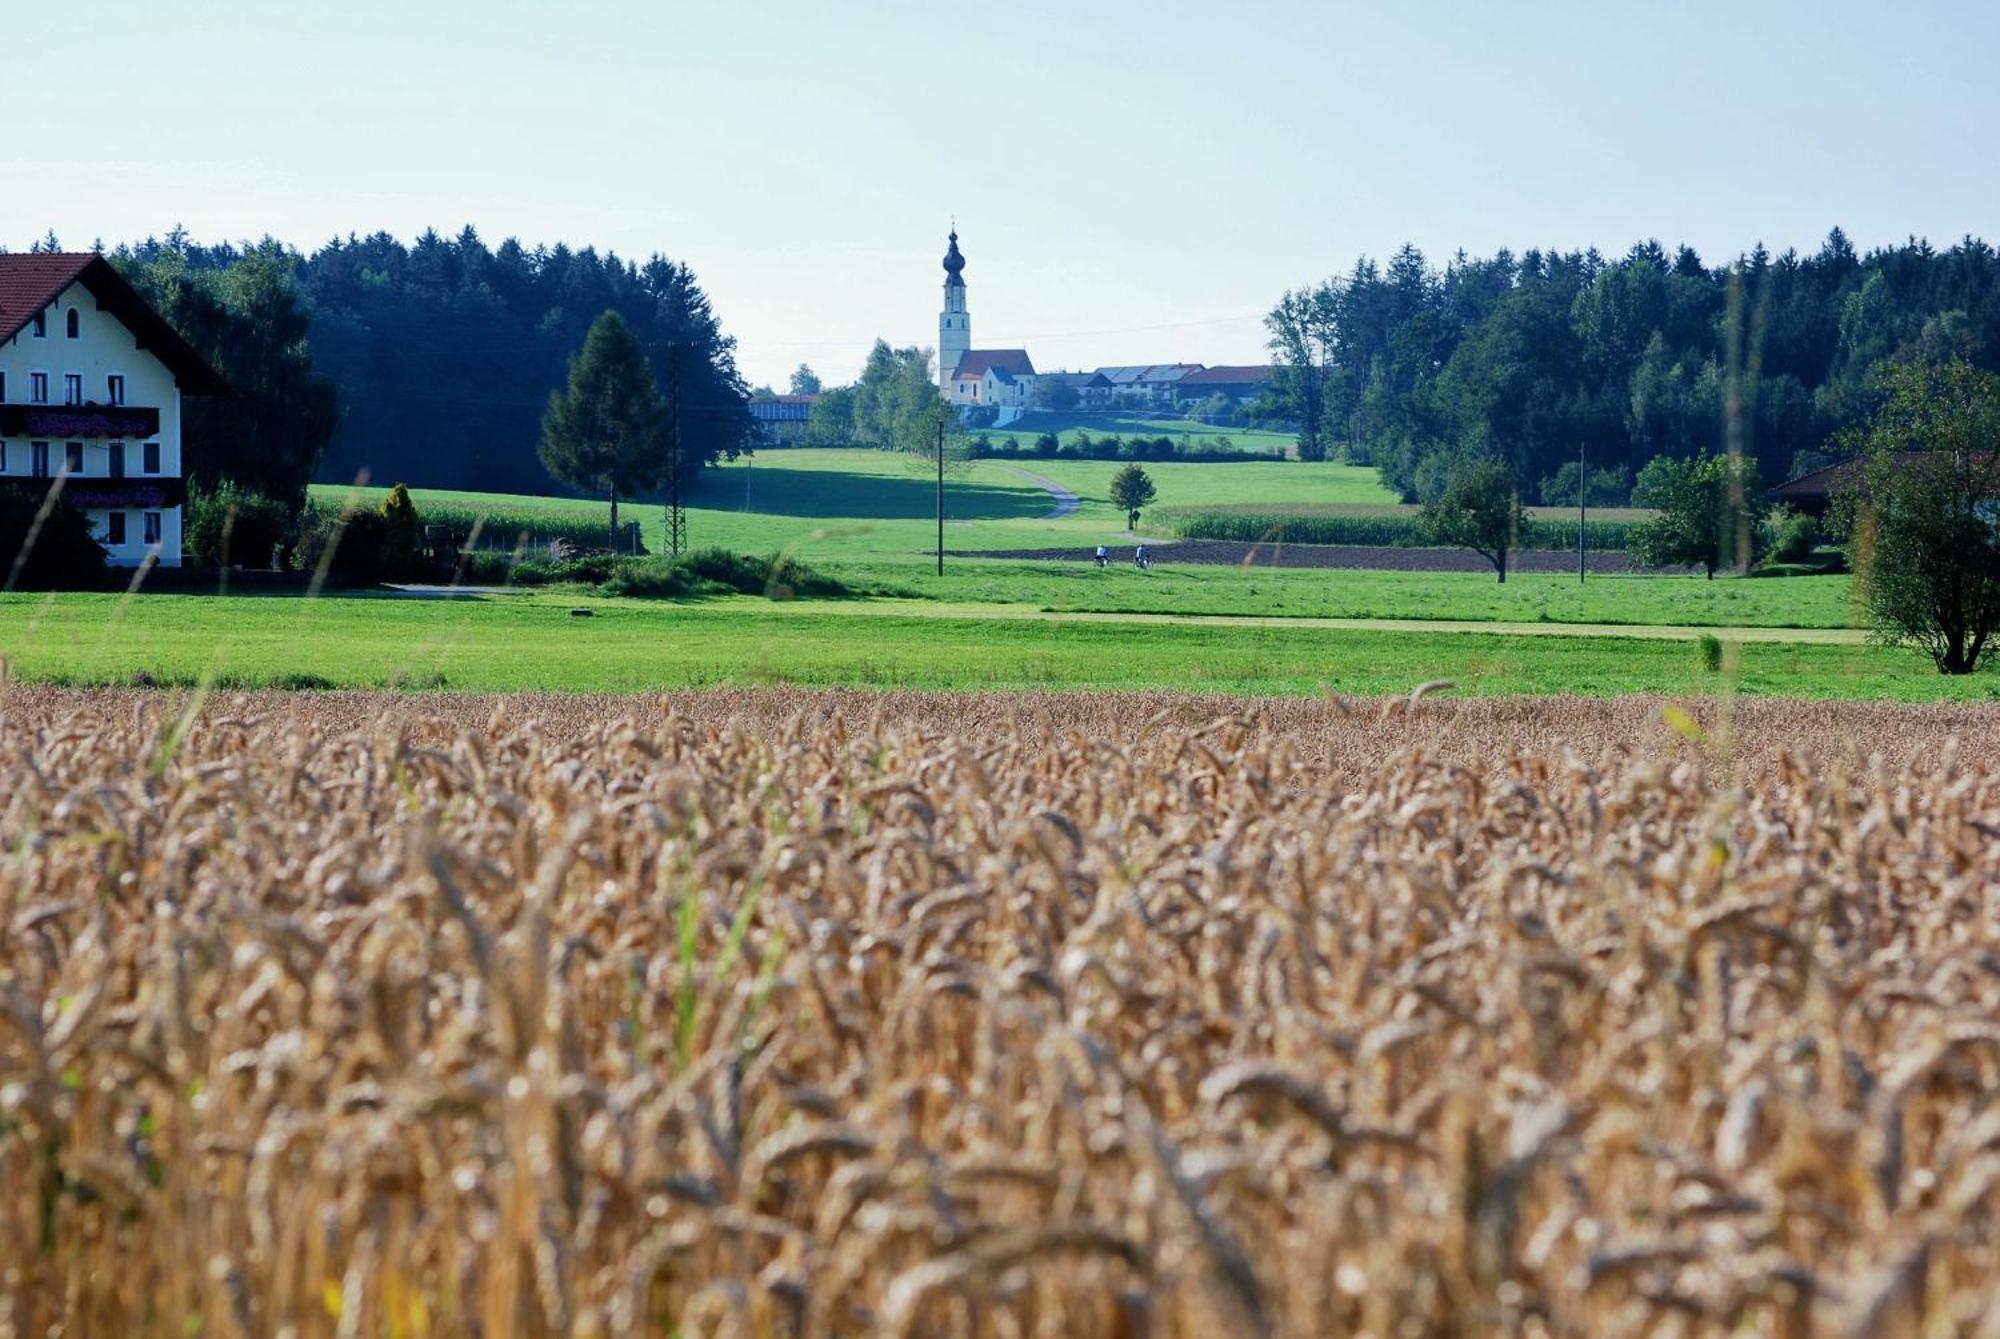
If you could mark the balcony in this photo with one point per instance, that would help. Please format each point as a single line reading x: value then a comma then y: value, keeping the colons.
x: 72, y: 422
x: 146, y: 492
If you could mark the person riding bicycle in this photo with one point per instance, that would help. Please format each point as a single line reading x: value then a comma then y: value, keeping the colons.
x: 1103, y: 556
x: 1141, y: 559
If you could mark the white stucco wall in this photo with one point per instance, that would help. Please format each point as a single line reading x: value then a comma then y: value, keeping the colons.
x: 103, y: 348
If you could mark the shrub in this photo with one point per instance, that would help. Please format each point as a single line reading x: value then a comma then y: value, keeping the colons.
x: 348, y: 545
x: 237, y: 527
x: 1789, y: 536
x: 402, y: 535
x: 65, y: 555
x: 1708, y: 653
x: 1047, y: 444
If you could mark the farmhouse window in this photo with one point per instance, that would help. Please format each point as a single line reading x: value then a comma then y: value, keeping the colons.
x: 149, y: 458
x: 117, y: 452
x: 38, y: 388
x: 73, y: 457
x: 73, y: 324
x: 38, y: 458
x: 114, y: 389
x: 3, y: 388
x: 41, y: 328
x: 152, y: 527
x: 114, y: 528
x: 72, y: 388
x: 3, y: 457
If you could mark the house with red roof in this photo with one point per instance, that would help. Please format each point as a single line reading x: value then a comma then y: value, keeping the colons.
x: 91, y: 386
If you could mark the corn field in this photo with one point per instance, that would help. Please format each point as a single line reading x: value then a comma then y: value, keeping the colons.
x: 792, y: 1013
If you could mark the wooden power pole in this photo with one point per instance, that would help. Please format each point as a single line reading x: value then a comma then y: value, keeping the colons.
x: 940, y: 496
x: 1582, y: 493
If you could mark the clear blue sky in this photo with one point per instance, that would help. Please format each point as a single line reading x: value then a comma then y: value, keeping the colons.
x: 1133, y: 182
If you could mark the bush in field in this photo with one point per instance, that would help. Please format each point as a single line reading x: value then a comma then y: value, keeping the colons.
x: 1788, y: 535
x: 402, y: 535
x: 52, y: 551
x: 348, y: 545
x: 226, y: 525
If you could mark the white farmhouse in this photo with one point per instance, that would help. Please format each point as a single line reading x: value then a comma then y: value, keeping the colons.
x: 91, y: 380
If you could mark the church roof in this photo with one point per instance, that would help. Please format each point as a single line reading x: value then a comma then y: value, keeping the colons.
x: 1014, y: 362
x: 954, y: 262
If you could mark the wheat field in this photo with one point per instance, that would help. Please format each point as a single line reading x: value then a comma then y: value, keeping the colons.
x: 793, y: 1013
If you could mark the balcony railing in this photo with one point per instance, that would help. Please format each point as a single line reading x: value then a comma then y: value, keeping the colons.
x: 85, y: 491
x: 77, y: 421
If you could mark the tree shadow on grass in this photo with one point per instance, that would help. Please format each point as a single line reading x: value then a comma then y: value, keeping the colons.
x: 781, y: 489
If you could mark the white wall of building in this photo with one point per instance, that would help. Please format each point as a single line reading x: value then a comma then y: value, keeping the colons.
x: 103, y: 348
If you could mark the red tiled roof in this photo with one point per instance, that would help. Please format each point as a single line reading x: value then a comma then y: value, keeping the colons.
x: 1226, y: 376
x: 975, y: 362
x: 30, y: 282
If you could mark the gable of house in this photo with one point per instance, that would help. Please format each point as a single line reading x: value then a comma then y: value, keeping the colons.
x: 31, y: 283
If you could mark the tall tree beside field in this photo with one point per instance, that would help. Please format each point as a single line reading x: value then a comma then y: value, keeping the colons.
x: 805, y: 381
x: 605, y: 433
x: 1132, y: 492
x: 1475, y: 507
x: 1708, y: 509
x: 248, y: 320
x: 830, y: 422
x: 1927, y: 516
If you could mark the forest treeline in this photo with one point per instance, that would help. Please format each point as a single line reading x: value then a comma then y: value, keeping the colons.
x: 430, y: 363
x: 1528, y: 359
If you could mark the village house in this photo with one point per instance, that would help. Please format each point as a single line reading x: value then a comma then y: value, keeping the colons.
x: 91, y: 382
x: 781, y: 419
x: 1149, y: 385
x: 1239, y: 384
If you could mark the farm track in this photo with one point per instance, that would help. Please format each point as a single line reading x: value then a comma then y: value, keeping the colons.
x: 1384, y: 558
x: 782, y: 1013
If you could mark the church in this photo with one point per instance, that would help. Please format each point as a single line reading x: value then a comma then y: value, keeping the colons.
x: 1001, y: 379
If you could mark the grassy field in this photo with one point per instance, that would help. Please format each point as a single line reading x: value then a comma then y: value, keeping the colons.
x: 532, y: 642
x: 1069, y: 426
x: 843, y: 505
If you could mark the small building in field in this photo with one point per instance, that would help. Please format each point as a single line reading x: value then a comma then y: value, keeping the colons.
x: 781, y: 419
x: 1090, y: 389
x: 91, y: 387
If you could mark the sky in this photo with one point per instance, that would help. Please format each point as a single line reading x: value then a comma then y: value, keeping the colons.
x: 1132, y: 183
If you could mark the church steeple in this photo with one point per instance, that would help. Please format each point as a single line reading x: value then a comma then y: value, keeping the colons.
x: 954, y: 322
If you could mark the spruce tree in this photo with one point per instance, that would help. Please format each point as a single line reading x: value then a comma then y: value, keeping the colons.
x: 603, y: 434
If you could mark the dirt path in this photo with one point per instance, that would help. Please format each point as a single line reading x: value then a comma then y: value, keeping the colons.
x: 1229, y: 553
x: 1066, y: 501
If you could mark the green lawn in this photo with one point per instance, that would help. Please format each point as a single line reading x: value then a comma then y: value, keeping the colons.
x: 843, y: 505
x: 1069, y: 425
x: 866, y: 517
x: 533, y: 643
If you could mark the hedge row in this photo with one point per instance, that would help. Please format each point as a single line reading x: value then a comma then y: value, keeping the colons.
x: 1368, y: 528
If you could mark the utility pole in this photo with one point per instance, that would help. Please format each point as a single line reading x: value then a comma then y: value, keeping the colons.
x: 676, y: 517
x: 940, y: 495
x: 1582, y: 494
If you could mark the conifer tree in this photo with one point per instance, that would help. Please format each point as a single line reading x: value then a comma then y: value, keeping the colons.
x: 603, y: 433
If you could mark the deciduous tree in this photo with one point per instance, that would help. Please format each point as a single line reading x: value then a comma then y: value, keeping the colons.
x: 1475, y: 507
x: 1708, y: 506
x: 1927, y: 515
x: 1131, y: 492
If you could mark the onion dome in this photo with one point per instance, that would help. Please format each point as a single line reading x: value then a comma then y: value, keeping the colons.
x: 953, y: 263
